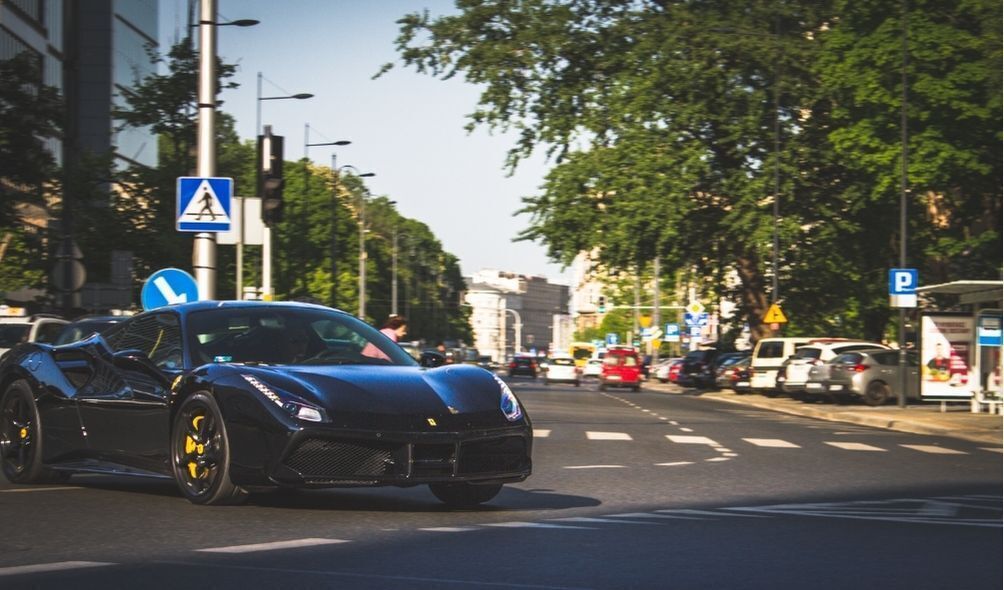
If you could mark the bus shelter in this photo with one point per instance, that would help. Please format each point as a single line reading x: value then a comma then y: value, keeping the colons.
x: 960, y: 350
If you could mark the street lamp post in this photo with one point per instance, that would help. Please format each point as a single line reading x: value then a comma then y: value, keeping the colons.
x: 362, y: 242
x: 306, y: 171
x: 266, y: 250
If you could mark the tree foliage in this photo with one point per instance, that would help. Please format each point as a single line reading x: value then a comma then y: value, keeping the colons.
x: 670, y: 122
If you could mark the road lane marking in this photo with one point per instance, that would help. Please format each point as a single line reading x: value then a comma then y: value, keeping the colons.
x: 686, y: 429
x: 596, y: 520
x: 294, y: 544
x: 518, y: 524
x: 674, y: 464
x: 39, y: 568
x: 541, y: 433
x: 449, y: 529
x: 592, y: 435
x: 692, y: 440
x: 707, y: 513
x: 58, y: 489
x: 594, y: 466
x: 850, y: 446
x: 774, y: 443
x: 717, y: 459
x: 934, y: 450
x: 992, y: 449
x: 651, y: 516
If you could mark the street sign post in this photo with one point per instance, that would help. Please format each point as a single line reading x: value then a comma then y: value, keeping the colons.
x: 672, y: 332
x: 168, y: 286
x: 204, y: 204
x: 903, y: 287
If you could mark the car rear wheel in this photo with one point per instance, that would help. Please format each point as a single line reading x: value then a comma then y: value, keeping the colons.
x: 877, y: 394
x: 464, y: 495
x: 21, y: 437
x: 200, y: 453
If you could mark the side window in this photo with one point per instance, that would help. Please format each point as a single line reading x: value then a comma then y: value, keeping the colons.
x: 158, y: 335
x: 48, y: 331
x: 770, y: 350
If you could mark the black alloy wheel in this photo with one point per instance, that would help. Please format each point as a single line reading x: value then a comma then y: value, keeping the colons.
x: 464, y: 495
x: 877, y: 394
x: 200, y: 453
x: 21, y: 437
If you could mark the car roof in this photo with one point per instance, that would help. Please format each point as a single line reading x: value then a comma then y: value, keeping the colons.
x: 187, y: 308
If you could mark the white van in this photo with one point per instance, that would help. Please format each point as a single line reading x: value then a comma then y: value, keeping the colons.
x: 767, y: 358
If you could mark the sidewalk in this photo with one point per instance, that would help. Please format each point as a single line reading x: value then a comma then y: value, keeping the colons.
x: 919, y: 418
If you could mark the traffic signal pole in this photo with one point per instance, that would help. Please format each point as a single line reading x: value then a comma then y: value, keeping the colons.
x: 204, y: 246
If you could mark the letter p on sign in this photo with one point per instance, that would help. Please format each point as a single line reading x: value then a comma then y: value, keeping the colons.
x: 903, y: 287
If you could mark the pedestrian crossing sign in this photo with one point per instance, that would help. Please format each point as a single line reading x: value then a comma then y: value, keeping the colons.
x: 774, y: 315
x: 204, y: 204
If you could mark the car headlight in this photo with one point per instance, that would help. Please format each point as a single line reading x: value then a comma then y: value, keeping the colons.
x: 295, y: 408
x: 509, y: 404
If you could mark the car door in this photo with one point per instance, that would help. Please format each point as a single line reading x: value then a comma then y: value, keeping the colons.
x: 125, y: 415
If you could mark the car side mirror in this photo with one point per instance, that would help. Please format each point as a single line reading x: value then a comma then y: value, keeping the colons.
x: 431, y: 359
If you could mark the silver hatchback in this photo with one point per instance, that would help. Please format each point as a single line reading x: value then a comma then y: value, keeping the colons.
x: 872, y: 375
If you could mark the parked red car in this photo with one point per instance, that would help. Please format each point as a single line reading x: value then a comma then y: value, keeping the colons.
x: 621, y: 368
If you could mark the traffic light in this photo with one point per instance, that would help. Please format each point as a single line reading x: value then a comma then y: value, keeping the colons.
x: 602, y: 306
x: 270, y: 181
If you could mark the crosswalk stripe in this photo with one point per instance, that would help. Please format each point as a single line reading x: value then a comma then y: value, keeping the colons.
x: 992, y: 449
x: 594, y: 466
x: 449, y: 529
x: 774, y: 443
x: 692, y: 440
x: 541, y: 433
x: 592, y: 435
x: 532, y: 525
x: 271, y: 546
x: 674, y: 464
x: 935, y: 450
x: 851, y: 446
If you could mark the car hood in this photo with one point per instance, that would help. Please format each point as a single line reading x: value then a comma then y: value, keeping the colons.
x: 388, y: 396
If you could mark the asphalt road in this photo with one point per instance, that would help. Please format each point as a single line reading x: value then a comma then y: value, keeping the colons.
x: 630, y: 490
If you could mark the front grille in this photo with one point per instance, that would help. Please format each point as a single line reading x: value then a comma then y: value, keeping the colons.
x: 316, y: 457
x: 431, y: 460
x: 501, y: 455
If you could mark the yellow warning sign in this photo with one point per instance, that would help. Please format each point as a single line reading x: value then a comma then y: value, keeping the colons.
x: 645, y: 321
x: 774, y: 315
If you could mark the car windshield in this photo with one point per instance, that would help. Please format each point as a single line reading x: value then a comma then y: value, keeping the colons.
x: 82, y: 329
x: 289, y: 336
x: 11, y: 334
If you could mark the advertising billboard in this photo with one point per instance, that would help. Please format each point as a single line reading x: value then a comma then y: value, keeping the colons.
x: 946, y: 356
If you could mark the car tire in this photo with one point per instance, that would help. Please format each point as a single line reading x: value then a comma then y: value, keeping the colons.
x: 636, y: 388
x: 546, y: 382
x: 577, y: 383
x: 603, y: 386
x: 876, y: 394
x: 464, y: 495
x: 21, y: 437
x: 200, y: 453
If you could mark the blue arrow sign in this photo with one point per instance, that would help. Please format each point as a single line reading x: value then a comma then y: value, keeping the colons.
x: 168, y: 286
x: 204, y: 204
x: 611, y: 339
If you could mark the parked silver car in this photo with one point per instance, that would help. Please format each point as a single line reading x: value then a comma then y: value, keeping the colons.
x: 872, y: 375
x: 793, y: 375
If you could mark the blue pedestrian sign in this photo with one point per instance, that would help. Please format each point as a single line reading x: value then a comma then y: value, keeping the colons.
x: 168, y: 286
x: 695, y: 319
x: 903, y: 287
x: 204, y: 204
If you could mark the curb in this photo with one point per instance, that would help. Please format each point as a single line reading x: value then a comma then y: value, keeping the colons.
x: 982, y: 435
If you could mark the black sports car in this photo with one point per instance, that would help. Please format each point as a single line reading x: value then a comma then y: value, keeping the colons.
x: 232, y: 397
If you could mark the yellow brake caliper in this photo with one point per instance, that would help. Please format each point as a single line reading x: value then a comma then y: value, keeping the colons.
x: 192, y: 447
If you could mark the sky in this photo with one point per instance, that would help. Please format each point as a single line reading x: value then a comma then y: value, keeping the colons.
x: 405, y: 127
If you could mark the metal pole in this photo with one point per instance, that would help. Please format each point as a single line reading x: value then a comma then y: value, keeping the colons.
x: 903, y: 182
x: 362, y: 257
x: 393, y: 278
x: 775, y: 287
x: 656, y: 316
x: 204, y: 248
x: 240, y: 250
x: 334, y: 231
x: 502, y: 344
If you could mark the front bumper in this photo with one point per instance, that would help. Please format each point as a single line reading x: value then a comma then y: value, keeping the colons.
x: 318, y: 457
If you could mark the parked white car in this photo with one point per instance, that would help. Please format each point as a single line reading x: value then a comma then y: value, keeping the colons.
x: 562, y: 369
x: 592, y: 369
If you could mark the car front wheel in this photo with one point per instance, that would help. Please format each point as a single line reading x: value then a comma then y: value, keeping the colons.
x: 463, y: 494
x: 877, y: 393
x: 21, y: 437
x: 200, y: 453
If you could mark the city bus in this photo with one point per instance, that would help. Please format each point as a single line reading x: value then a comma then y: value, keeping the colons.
x: 582, y: 352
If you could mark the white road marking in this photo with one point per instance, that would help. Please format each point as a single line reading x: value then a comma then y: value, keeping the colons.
x: 594, y: 466
x: 38, y: 568
x: 692, y: 440
x: 591, y: 435
x: 449, y: 529
x: 706, y: 513
x: 57, y: 489
x: 651, y: 515
x: 674, y: 464
x: 992, y: 449
x: 717, y: 459
x: 934, y: 450
x: 532, y: 525
x: 596, y: 520
x: 674, y: 422
x: 541, y: 433
x: 850, y: 446
x: 775, y: 443
x: 272, y: 546
x: 686, y: 429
